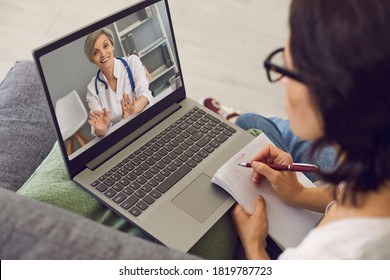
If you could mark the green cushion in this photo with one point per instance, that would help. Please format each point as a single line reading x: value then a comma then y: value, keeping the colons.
x: 51, y: 184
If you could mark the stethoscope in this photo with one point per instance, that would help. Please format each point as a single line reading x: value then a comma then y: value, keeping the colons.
x: 98, y: 79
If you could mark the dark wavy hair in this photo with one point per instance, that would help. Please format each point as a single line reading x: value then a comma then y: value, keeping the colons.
x: 342, y: 50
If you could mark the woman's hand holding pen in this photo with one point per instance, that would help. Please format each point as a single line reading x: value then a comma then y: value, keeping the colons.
x: 100, y: 121
x: 128, y: 104
x: 285, y: 184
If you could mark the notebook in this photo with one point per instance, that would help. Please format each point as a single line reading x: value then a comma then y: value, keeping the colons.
x: 153, y: 168
x: 287, y: 225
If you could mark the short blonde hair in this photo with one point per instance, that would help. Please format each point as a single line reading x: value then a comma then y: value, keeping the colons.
x: 91, y: 39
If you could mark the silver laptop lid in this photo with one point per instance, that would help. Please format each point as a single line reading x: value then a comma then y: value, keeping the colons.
x: 143, y: 52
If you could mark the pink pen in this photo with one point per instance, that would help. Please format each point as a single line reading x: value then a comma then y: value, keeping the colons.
x: 297, y: 167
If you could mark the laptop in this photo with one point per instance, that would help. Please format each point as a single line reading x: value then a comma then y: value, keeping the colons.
x: 153, y: 168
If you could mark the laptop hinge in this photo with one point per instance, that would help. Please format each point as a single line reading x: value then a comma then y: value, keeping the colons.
x: 132, y: 137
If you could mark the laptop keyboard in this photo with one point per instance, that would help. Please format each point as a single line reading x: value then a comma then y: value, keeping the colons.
x: 144, y: 176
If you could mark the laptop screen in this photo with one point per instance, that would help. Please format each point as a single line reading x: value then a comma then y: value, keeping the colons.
x: 107, y: 79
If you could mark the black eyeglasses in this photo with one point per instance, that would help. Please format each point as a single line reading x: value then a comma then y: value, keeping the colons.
x: 276, y: 68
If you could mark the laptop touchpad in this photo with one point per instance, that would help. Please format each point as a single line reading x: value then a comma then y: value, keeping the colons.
x: 200, y: 198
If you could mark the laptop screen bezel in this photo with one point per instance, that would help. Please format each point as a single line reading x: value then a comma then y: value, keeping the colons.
x: 79, y: 163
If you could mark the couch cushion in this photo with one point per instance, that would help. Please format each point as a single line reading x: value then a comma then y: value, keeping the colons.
x: 50, y: 184
x: 26, y: 132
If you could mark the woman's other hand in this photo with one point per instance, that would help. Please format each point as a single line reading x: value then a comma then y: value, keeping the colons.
x: 100, y: 121
x: 284, y: 183
x: 252, y: 229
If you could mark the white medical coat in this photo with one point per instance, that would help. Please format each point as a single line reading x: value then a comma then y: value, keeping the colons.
x: 112, y: 100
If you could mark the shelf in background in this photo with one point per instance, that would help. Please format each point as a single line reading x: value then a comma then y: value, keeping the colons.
x: 134, y: 26
x: 151, y: 47
x: 160, y: 71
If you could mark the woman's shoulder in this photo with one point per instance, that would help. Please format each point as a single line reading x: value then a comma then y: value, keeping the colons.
x: 354, y: 238
x: 132, y: 60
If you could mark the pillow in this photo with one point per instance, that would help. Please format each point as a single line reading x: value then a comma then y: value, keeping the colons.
x: 26, y: 131
x: 50, y: 184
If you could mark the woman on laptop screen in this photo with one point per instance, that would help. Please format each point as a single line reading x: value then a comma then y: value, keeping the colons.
x: 120, y: 88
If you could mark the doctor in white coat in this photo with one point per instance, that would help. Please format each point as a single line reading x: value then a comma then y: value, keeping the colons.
x: 111, y: 95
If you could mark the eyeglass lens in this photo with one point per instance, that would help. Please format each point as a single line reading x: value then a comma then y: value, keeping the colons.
x: 278, y: 60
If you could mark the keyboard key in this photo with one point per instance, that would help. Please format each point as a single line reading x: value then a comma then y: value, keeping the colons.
x: 135, y: 211
x: 189, y: 153
x: 148, y: 175
x: 155, y: 194
x: 168, y: 147
x: 153, y: 183
x: 227, y: 132
x: 135, y: 185
x: 184, y: 146
x: 138, y: 171
x: 109, y: 182
x: 102, y: 187
x: 228, y: 127
x: 131, y: 176
x: 191, y: 163
x: 116, y: 177
x: 178, y: 151
x: 177, y: 162
x: 118, y: 187
x: 148, y: 152
x: 150, y: 161
x: 154, y: 170
x: 197, y: 158
x: 129, y: 202
x: 194, y: 148
x: 164, y: 151
x: 203, y: 153
x: 128, y: 191
x: 119, y: 198
x: 173, y: 178
x: 174, y: 143
x: 183, y: 158
x: 114, y: 169
x: 123, y: 171
x: 221, y: 138
x: 140, y: 193
x: 146, y: 188
x: 157, y: 157
x: 124, y: 181
x: 159, y: 177
x: 172, y: 156
x: 142, y: 157
x: 95, y: 183
x: 202, y: 142
x: 142, y: 205
x: 171, y: 167
x: 196, y: 136
x: 214, y: 143
x: 141, y: 180
x: 135, y: 161
x: 148, y: 199
x: 165, y: 172
x: 214, y: 119
x: 209, y: 149
x: 144, y: 166
x: 110, y: 193
x: 129, y: 166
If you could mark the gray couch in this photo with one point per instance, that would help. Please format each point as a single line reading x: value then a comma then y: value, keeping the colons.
x: 30, y: 229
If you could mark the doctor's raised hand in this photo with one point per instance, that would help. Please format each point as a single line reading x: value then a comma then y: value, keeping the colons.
x: 100, y: 121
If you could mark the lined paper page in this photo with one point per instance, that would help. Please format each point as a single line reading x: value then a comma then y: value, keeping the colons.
x: 287, y: 225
